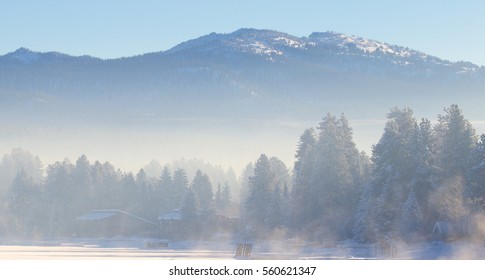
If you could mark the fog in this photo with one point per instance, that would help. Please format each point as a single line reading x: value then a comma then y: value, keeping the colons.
x: 312, y: 149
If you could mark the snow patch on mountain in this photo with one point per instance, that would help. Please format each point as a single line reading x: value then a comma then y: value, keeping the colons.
x: 290, y: 42
x: 365, y: 45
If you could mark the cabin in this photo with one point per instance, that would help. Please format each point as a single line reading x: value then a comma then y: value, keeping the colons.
x: 467, y: 227
x: 446, y: 231
x: 172, y: 226
x: 114, y: 222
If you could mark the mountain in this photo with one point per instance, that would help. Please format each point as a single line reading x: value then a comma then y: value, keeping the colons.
x: 223, y: 98
x: 249, y: 71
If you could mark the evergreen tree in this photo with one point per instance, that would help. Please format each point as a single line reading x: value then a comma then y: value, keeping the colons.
x: 305, y: 146
x: 226, y: 198
x: 203, y: 189
x: 448, y: 199
x: 21, y: 202
x: 129, y: 194
x: 422, y: 181
x: 456, y: 139
x: 218, y: 198
x: 190, y: 214
x: 280, y: 170
x: 394, y: 167
x: 59, y: 214
x: 178, y: 188
x: 82, y: 189
x: 11, y: 164
x: 475, y: 193
x: 274, y: 211
x: 411, y: 218
x: 261, y: 186
x: 244, y: 180
x: 329, y: 197
x: 364, y: 230
x: 163, y: 192
x: 455, y: 143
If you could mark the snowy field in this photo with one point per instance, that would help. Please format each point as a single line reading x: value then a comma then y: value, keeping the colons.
x: 134, y: 249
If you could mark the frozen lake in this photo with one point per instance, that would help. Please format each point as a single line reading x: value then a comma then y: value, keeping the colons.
x: 137, y: 250
x: 86, y: 253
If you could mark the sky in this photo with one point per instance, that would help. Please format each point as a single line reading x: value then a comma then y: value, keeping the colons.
x: 451, y: 30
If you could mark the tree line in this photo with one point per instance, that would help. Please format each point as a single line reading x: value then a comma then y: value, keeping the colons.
x: 48, y: 208
x: 418, y: 174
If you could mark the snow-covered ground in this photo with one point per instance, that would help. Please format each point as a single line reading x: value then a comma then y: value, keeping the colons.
x: 136, y: 248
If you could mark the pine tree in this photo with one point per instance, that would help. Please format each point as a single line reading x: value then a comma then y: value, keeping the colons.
x: 21, y: 203
x: 333, y: 190
x: 162, y: 193
x: 475, y: 192
x: 190, y: 214
x: 178, y: 188
x: 203, y: 189
x: 422, y: 181
x: 280, y: 170
x: 456, y: 139
x: 363, y: 229
x: 448, y: 200
x: 394, y: 168
x: 244, y: 180
x: 274, y: 211
x: 455, y: 143
x: 412, y: 218
x: 58, y: 199
x: 261, y: 186
x: 226, y: 198
x: 82, y: 188
x: 218, y: 198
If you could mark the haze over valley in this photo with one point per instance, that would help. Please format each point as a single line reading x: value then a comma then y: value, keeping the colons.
x: 221, y: 98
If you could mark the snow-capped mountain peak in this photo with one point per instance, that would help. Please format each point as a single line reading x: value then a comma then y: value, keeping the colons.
x: 359, y: 43
x: 267, y: 43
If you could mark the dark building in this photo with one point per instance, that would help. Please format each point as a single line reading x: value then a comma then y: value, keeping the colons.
x: 114, y: 222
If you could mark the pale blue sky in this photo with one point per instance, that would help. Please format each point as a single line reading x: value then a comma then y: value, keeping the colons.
x: 453, y: 30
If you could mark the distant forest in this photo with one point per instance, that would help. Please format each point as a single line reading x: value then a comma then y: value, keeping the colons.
x: 419, y: 173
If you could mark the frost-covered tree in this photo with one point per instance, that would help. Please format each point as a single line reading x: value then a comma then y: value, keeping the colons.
x: 178, y: 188
x: 455, y: 144
x: 83, y: 188
x: 226, y: 197
x: 190, y: 214
x: 280, y: 170
x: 456, y: 140
x: 260, y: 189
x: 222, y: 198
x: 218, y: 197
x: 411, y: 218
x: 423, y: 147
x: 364, y: 229
x: 202, y: 186
x: 58, y: 199
x: 274, y: 212
x: 394, y: 168
x: 475, y: 192
x: 22, y: 204
x: 448, y: 199
x: 244, y: 181
x: 301, y: 169
x: 162, y: 191
x: 11, y: 164
x: 327, y: 179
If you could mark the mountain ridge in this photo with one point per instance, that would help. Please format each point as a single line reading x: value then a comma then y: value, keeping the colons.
x: 263, y: 73
x: 329, y: 38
